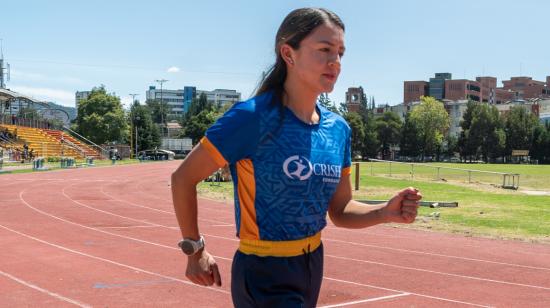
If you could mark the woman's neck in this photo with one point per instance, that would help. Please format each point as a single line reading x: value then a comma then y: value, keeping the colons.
x: 301, y: 102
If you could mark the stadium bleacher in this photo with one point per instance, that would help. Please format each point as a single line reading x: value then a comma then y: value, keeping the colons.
x: 48, y: 143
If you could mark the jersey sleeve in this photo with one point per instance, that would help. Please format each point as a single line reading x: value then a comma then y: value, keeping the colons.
x: 234, y: 136
x: 346, y: 165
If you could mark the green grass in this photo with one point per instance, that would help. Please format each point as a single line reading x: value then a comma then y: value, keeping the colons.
x: 27, y: 167
x: 483, y: 210
x: 494, y: 213
x: 531, y: 176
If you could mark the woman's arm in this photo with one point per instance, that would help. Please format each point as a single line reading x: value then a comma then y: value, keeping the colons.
x: 198, y: 165
x: 347, y: 213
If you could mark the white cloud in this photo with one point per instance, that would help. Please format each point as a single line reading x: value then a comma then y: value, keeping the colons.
x: 58, y: 96
x: 173, y: 69
x: 20, y: 76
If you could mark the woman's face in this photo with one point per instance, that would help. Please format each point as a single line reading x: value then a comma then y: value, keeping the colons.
x: 317, y: 62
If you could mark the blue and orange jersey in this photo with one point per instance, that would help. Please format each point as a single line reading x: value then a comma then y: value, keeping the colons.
x: 284, y: 170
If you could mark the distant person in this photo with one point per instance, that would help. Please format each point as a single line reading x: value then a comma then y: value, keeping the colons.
x: 25, y: 151
x: 291, y: 161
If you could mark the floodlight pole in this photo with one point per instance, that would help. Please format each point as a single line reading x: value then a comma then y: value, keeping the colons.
x: 133, y: 95
x: 161, y: 81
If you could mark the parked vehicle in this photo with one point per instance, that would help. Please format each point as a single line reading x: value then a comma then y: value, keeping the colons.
x: 156, y: 155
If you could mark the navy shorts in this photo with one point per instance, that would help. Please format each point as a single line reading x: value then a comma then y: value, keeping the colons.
x: 277, y: 281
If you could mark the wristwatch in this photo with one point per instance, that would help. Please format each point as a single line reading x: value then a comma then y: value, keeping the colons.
x: 191, y: 247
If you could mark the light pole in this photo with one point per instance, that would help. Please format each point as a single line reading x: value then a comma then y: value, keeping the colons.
x: 161, y: 81
x: 133, y: 95
x: 137, y: 118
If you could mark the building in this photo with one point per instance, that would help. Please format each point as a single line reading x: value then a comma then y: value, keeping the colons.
x: 189, y: 93
x: 483, y: 89
x: 436, y: 88
x: 462, y: 89
x: 79, y: 96
x: 354, y: 98
x: 221, y: 97
x: 179, y: 101
x: 544, y: 111
x: 413, y: 90
x: 527, y: 88
x: 456, y: 110
x: 173, y: 100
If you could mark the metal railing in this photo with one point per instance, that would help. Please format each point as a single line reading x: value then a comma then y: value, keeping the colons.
x: 104, y: 153
x: 412, y: 171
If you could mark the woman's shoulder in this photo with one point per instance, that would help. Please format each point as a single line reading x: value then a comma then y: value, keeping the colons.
x: 334, y: 118
x: 254, y: 104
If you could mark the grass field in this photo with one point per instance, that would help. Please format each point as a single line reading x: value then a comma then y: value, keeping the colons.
x: 535, y: 177
x: 484, y: 210
x: 16, y: 167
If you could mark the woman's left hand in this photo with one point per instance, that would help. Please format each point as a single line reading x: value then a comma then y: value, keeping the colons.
x: 402, y: 208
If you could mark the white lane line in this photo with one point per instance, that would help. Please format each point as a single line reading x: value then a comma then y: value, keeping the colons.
x: 99, y: 230
x: 411, y: 293
x: 128, y: 227
x: 436, y: 254
x: 349, y: 259
x: 374, y: 262
x: 111, y: 261
x: 378, y: 234
x: 223, y: 258
x: 440, y: 273
x: 150, y: 208
x: 50, y: 293
x: 374, y: 299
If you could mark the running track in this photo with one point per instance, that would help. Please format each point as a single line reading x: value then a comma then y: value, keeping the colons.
x: 105, y: 237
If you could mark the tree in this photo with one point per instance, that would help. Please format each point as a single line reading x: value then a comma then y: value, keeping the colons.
x: 101, y: 117
x: 388, y: 129
x: 158, y: 111
x: 468, y: 145
x: 485, y: 132
x: 357, y: 132
x: 325, y: 101
x: 148, y: 134
x: 540, y: 149
x: 432, y: 121
x: 451, y: 146
x: 197, y: 125
x: 519, y: 128
x: 199, y: 104
x: 410, y: 144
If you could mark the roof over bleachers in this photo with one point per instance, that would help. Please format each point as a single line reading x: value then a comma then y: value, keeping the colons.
x: 6, y: 95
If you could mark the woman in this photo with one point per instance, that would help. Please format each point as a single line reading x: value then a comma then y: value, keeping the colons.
x: 290, y: 162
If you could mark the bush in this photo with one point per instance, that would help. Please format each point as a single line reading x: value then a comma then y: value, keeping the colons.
x: 54, y: 159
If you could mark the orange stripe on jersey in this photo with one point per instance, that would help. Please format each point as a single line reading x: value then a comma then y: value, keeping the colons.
x: 346, y: 171
x: 213, y: 151
x: 246, y: 189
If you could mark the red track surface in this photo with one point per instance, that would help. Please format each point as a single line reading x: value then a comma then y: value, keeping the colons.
x: 106, y: 237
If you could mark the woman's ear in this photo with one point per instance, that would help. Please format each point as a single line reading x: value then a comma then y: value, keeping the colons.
x: 287, y: 53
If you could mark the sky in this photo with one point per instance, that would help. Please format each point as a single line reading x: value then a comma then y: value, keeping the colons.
x: 56, y: 48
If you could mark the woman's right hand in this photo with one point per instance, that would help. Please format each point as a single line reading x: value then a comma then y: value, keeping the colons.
x: 202, y: 269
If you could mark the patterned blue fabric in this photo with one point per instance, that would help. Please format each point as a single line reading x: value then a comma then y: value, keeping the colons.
x: 297, y: 166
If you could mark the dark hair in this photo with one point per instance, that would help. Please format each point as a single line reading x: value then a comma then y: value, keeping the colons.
x: 296, y: 26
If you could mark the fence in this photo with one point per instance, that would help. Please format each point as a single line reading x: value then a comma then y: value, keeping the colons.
x: 24, y: 121
x: 412, y: 171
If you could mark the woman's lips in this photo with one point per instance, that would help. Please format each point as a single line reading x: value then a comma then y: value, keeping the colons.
x: 330, y: 77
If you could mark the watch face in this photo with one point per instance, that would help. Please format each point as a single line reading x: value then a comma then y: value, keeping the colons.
x: 187, y: 248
